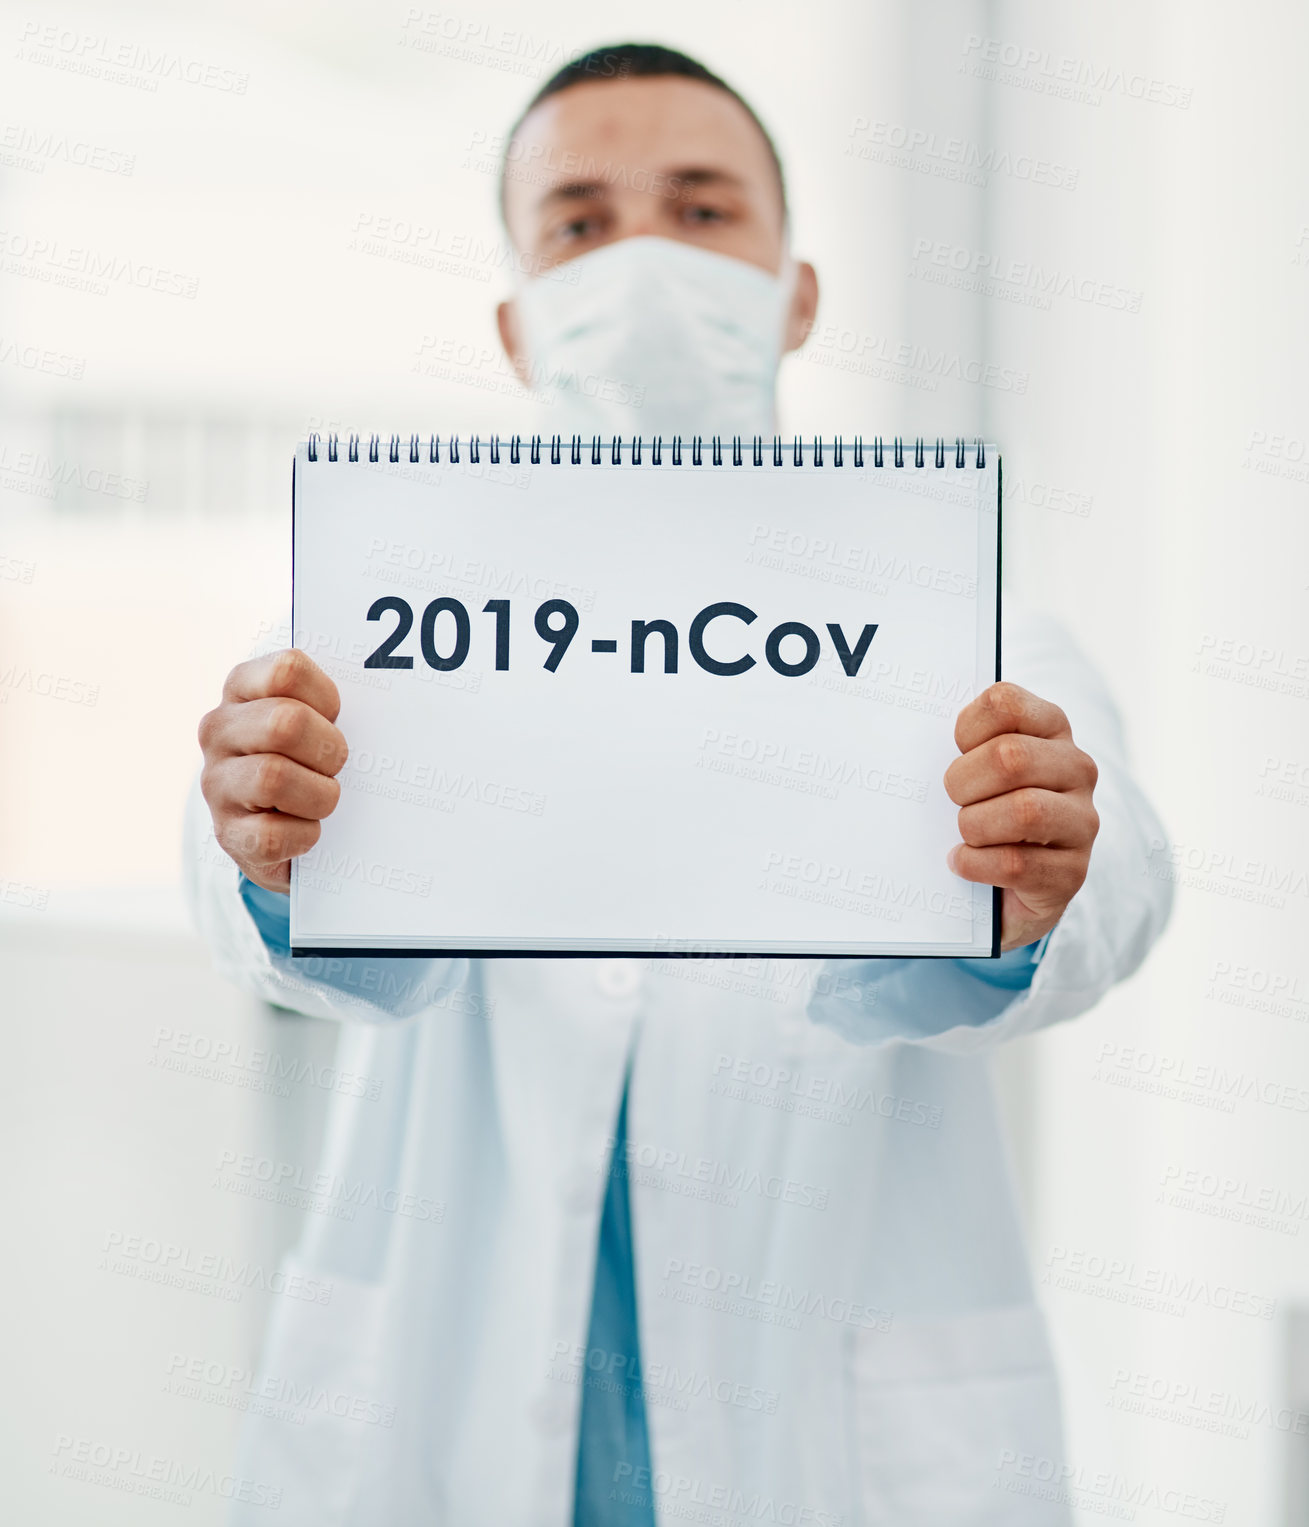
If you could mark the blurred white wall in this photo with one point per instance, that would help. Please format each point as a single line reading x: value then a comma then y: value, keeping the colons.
x: 306, y: 204
x: 317, y: 244
x: 1158, y: 470
x: 137, y: 1282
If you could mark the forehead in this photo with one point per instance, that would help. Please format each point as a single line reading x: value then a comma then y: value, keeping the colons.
x: 624, y: 133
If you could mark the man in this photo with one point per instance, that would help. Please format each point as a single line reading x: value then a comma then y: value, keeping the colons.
x: 639, y: 1240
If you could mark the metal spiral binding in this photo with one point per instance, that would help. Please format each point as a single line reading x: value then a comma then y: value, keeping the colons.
x: 818, y: 453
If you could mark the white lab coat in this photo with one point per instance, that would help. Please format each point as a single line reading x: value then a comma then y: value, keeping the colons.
x: 837, y: 1318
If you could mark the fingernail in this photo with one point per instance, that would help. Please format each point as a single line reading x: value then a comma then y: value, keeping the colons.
x: 952, y: 858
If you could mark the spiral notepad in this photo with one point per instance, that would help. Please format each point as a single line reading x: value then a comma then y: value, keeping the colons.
x: 645, y: 697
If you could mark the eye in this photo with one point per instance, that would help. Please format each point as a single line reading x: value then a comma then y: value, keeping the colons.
x: 699, y: 216
x: 575, y: 228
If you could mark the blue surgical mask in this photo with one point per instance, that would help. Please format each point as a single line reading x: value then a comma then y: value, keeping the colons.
x: 650, y: 336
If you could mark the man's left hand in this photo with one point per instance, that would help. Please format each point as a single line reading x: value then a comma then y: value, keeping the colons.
x: 1023, y: 788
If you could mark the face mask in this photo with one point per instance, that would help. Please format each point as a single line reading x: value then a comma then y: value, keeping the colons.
x: 655, y: 337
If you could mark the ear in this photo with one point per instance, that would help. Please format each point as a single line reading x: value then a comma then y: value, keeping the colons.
x: 511, y: 337
x: 804, y: 306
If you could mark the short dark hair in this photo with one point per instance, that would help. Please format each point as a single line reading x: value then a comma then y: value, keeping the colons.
x: 638, y: 60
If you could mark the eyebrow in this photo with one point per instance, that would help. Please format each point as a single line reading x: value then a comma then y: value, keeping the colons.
x: 594, y: 188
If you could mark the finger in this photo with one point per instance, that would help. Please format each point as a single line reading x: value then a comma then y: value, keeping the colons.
x: 269, y: 782
x: 1030, y: 816
x: 288, y: 727
x: 1007, y: 708
x: 290, y: 674
x: 273, y: 877
x: 265, y: 838
x: 1015, y: 761
x: 1038, y: 875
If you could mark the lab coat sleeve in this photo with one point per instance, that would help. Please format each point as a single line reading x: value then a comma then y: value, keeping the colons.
x: 322, y: 987
x: 1104, y: 933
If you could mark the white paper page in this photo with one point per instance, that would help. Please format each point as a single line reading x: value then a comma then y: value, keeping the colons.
x: 597, y: 809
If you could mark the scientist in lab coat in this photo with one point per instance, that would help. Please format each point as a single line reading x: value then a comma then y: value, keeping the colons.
x: 643, y: 1241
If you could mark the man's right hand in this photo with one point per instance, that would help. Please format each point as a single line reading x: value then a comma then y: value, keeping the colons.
x: 271, y: 756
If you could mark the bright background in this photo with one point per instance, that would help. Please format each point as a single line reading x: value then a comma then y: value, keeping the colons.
x: 1157, y: 462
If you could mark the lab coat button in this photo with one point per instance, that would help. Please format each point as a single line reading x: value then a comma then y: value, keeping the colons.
x: 618, y: 978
